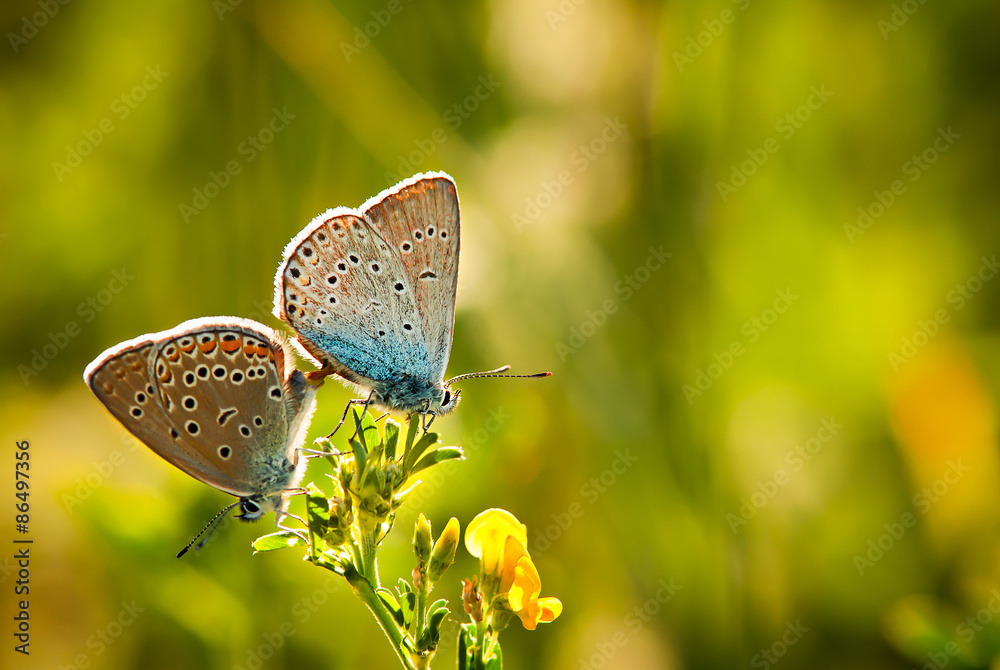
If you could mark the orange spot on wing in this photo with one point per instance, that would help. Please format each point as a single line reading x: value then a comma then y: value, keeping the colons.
x: 187, y: 348
x: 208, y: 347
x: 230, y: 346
x: 262, y: 351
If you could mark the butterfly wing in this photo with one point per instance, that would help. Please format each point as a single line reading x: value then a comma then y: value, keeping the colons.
x: 350, y: 285
x: 120, y: 379
x: 419, y: 218
x: 223, y: 388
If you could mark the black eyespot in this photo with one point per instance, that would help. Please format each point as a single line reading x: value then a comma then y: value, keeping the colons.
x: 229, y: 337
x: 295, y: 272
x: 140, y: 397
x: 245, y: 431
x: 354, y: 259
x: 224, y: 451
x: 189, y: 378
x: 237, y: 376
x: 375, y: 267
x: 398, y: 286
x: 430, y: 231
x: 189, y: 402
x: 293, y: 297
x: 443, y: 235
x: 251, y: 373
x: 342, y: 266
x: 276, y: 392
x: 321, y: 237
x: 205, y: 339
x: 381, y: 333
x: 333, y: 300
x: 202, y: 371
x: 331, y: 280
x: 227, y: 414
x: 427, y: 274
x: 137, y: 412
x: 192, y: 427
x: 417, y: 235
x: 149, y: 389
x: 174, y: 434
x: 257, y: 421
x: 219, y: 372
x: 307, y: 252
x: 406, y: 246
x: 407, y: 326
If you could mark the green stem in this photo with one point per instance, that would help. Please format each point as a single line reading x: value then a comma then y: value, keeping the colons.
x: 479, y: 658
x: 364, y: 590
x: 369, y: 565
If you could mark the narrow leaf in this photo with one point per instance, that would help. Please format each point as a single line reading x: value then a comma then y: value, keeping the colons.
x: 275, y: 541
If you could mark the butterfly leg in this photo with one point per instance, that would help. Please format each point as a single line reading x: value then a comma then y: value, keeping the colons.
x: 343, y: 417
x: 427, y: 423
x: 279, y: 516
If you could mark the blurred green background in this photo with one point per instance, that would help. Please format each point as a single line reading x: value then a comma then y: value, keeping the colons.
x: 775, y: 447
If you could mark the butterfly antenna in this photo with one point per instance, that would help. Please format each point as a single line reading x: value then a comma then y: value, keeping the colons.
x: 495, y: 373
x: 216, y: 520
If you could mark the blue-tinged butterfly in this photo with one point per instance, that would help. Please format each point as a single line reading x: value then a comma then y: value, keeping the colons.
x: 218, y: 398
x: 370, y: 294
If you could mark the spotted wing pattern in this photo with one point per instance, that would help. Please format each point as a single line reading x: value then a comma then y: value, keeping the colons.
x: 210, y: 396
x: 371, y: 293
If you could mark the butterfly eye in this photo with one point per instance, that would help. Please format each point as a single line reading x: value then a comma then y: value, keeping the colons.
x: 447, y: 397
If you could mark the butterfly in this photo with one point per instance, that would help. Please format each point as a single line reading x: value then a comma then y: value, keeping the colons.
x: 217, y: 398
x: 370, y: 294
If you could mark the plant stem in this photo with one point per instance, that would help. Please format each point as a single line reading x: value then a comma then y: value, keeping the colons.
x: 364, y: 590
x: 369, y: 565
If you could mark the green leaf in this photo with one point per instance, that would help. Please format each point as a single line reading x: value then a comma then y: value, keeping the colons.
x: 360, y: 456
x: 403, y: 587
x: 366, y: 432
x: 274, y: 541
x: 438, y: 456
x: 317, y: 509
x: 391, y: 433
x: 411, y: 434
x: 408, y: 603
x: 415, y: 452
x: 495, y: 661
x: 391, y: 604
x: 434, y: 621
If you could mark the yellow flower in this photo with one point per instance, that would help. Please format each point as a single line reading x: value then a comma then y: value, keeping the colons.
x: 498, y: 539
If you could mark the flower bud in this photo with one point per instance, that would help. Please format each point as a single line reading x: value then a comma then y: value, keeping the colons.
x: 422, y: 540
x: 443, y: 554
